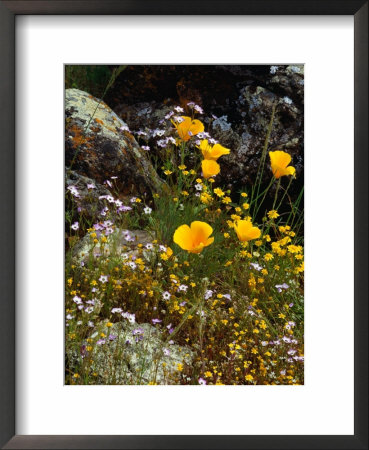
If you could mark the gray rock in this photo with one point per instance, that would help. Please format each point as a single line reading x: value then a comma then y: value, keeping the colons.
x: 246, y: 139
x: 134, y: 354
x: 120, y: 243
x: 97, y: 147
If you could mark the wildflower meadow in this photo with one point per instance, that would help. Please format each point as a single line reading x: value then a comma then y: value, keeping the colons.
x: 184, y: 280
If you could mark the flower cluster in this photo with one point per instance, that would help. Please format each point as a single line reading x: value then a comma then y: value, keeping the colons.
x: 192, y: 284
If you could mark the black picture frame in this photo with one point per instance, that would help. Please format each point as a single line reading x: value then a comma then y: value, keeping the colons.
x: 8, y: 11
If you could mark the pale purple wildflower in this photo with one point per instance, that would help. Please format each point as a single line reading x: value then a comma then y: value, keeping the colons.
x: 75, y: 226
x: 169, y: 115
x: 74, y: 191
x: 256, y: 266
x: 77, y: 300
x: 138, y: 332
x: 103, y: 279
x: 280, y: 287
x: 124, y: 208
x: 199, y: 109
x: 208, y: 294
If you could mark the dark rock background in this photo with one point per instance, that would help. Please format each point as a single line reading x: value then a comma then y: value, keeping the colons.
x: 237, y: 102
x: 241, y: 97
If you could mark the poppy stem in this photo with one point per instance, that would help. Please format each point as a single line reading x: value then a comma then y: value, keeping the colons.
x: 285, y: 193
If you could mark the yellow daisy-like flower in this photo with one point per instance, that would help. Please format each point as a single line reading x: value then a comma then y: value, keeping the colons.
x: 212, y: 152
x: 194, y: 238
x: 273, y: 214
x: 210, y: 168
x: 218, y: 192
x: 279, y: 161
x: 188, y: 128
x: 246, y: 231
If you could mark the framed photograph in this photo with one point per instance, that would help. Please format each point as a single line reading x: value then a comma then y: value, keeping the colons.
x: 167, y: 170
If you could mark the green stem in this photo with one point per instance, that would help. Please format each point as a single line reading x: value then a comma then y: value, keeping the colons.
x: 285, y: 193
x: 259, y: 175
x: 276, y: 193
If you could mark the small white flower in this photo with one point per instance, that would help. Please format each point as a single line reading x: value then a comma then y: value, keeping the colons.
x: 198, y: 187
x: 147, y: 210
x: 178, y: 119
x: 166, y: 295
x: 75, y: 226
x: 103, y: 279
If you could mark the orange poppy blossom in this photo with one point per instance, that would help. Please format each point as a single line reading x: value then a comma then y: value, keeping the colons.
x: 188, y: 128
x: 279, y: 161
x: 212, y: 152
x: 194, y: 238
x: 246, y: 231
x: 209, y: 168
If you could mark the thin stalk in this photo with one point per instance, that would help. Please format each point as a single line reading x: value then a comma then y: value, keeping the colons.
x: 276, y: 193
x: 285, y: 193
x: 259, y: 175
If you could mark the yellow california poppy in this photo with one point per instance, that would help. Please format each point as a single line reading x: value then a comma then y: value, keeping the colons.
x: 279, y: 161
x: 246, y: 231
x: 194, y: 238
x: 212, y: 152
x: 210, y: 168
x: 188, y: 128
